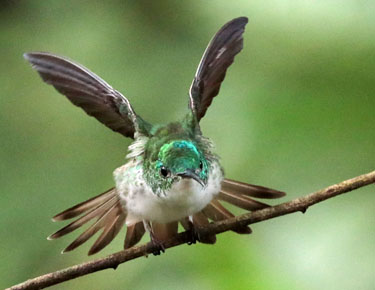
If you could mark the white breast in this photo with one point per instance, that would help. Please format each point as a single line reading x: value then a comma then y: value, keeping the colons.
x: 185, y: 198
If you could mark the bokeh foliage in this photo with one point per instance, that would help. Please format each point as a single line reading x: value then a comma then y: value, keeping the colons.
x: 296, y: 112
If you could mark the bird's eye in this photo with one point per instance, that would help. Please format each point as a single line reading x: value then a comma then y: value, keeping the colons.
x: 164, y: 171
x: 200, y: 165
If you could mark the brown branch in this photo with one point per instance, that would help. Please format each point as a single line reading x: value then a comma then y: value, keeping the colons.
x: 112, y: 261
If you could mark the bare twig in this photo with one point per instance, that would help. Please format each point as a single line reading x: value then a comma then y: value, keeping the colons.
x: 112, y: 261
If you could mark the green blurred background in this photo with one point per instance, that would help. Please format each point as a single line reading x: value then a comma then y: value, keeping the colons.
x: 296, y: 112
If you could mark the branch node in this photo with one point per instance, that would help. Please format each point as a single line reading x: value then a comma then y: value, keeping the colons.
x: 304, y: 209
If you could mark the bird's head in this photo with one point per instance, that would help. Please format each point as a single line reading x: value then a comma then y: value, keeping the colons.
x: 177, y: 160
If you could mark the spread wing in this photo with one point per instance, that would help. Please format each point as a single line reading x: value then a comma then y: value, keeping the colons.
x: 88, y: 91
x: 219, y: 55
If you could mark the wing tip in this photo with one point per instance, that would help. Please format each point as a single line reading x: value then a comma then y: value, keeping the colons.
x: 26, y: 55
x: 29, y: 56
x: 242, y: 19
x: 239, y: 22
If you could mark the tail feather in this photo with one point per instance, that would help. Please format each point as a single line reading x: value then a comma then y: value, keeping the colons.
x: 92, y: 213
x: 116, y: 220
x: 112, y: 217
x: 185, y: 224
x: 87, y: 234
x: 241, y: 201
x: 134, y: 234
x: 84, y: 206
x: 229, y: 185
x: 200, y: 220
x: 109, y: 216
x: 166, y: 231
x: 217, y: 212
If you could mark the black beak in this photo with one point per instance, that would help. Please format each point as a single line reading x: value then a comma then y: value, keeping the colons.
x: 191, y: 174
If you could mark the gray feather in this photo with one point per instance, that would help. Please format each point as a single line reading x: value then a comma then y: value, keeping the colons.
x: 218, y: 56
x: 88, y: 91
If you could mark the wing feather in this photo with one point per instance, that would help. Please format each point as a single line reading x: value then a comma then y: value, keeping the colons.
x: 88, y: 91
x: 218, y: 56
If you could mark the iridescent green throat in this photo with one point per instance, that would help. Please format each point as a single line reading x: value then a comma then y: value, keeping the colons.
x: 174, y: 159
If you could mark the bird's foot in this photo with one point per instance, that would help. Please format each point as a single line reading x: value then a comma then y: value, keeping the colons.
x: 157, y: 246
x: 194, y: 234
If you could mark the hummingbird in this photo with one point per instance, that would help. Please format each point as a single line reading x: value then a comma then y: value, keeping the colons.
x: 172, y: 175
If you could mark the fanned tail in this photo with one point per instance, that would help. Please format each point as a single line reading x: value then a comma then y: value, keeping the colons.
x: 241, y: 188
x: 85, y: 206
x: 163, y: 232
x: 199, y: 220
x: 217, y: 212
x: 134, y: 234
x: 238, y: 194
x: 107, y: 213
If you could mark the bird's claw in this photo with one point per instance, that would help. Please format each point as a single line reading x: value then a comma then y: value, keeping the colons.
x: 194, y: 235
x: 157, y: 247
